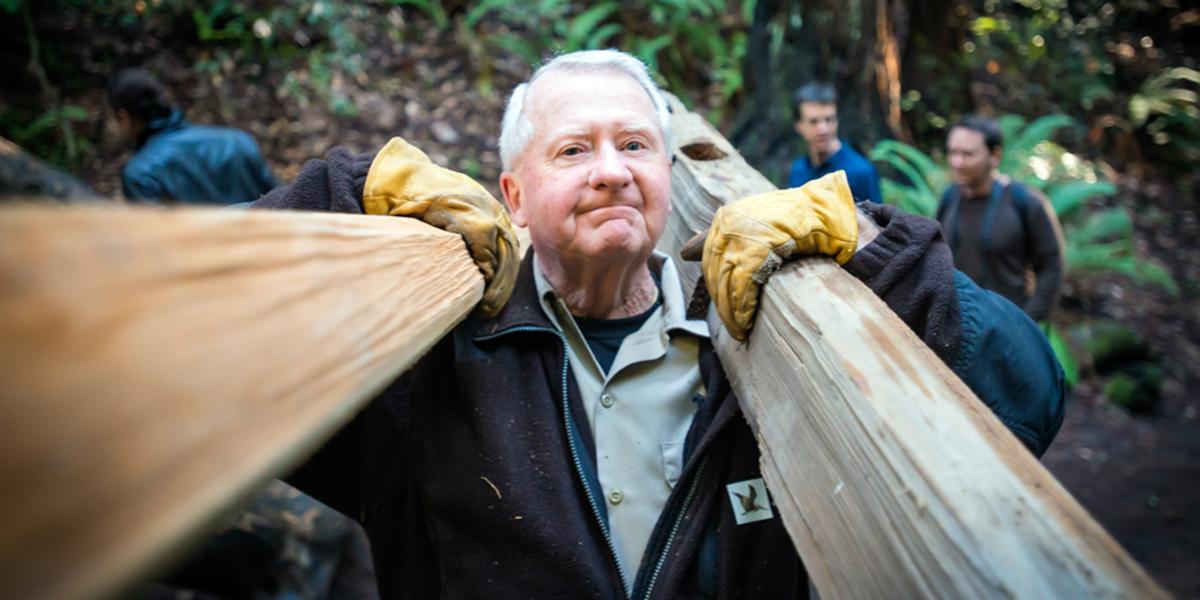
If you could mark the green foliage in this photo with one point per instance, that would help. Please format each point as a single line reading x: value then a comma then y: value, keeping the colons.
x: 233, y: 28
x: 10, y: 6
x: 1168, y: 107
x: 1102, y: 242
x: 682, y: 40
x: 922, y: 179
x: 585, y: 31
x: 1098, y: 240
x: 1062, y: 351
x: 43, y: 135
x: 1068, y: 196
x: 1136, y: 388
x: 1022, y: 142
x: 432, y: 8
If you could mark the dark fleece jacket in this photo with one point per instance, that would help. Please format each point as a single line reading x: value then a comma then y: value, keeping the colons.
x: 473, y: 475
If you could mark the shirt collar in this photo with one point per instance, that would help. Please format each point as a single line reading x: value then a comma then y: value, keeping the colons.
x: 674, y: 302
x: 836, y: 156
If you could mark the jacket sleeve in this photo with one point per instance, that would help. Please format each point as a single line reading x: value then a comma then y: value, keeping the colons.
x: 262, y: 174
x: 332, y: 184
x: 986, y: 340
x: 141, y: 188
x: 1005, y: 359
x: 1045, y: 252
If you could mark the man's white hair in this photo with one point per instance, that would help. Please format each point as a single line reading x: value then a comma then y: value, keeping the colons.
x: 516, y: 130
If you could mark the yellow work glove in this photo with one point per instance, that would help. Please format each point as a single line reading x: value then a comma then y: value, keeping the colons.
x: 404, y: 182
x: 749, y: 239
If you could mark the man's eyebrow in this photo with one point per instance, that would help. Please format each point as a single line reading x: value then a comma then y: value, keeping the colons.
x: 567, y: 132
x: 643, y: 128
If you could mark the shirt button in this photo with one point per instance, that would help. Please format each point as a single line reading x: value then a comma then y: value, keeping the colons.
x: 616, y: 496
x: 607, y: 400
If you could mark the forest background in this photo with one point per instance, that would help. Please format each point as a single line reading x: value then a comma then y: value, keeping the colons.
x: 1099, y: 100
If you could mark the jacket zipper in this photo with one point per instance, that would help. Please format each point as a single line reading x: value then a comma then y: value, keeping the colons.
x: 687, y: 502
x: 566, y: 407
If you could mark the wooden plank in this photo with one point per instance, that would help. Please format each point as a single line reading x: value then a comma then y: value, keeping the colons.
x: 892, y: 478
x: 157, y: 365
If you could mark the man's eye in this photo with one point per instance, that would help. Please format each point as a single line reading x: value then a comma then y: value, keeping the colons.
x: 634, y: 146
x: 572, y: 151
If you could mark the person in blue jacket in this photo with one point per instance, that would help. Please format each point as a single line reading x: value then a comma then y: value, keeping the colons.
x: 817, y: 122
x: 176, y: 161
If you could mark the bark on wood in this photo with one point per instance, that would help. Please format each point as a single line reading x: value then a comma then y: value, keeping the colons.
x: 893, y: 480
x: 157, y: 365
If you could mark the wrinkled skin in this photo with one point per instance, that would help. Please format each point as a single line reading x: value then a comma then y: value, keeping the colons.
x: 593, y: 186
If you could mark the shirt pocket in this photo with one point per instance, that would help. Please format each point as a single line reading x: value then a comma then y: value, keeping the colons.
x: 672, y: 460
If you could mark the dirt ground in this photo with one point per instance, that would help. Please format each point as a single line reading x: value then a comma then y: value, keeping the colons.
x: 1138, y: 475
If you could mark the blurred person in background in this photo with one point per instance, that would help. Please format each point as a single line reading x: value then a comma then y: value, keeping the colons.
x: 174, y: 160
x: 815, y: 105
x: 1003, y: 234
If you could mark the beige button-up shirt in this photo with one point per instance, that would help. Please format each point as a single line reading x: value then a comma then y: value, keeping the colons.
x: 640, y: 411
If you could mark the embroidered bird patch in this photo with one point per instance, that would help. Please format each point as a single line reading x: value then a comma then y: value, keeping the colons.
x: 749, y: 501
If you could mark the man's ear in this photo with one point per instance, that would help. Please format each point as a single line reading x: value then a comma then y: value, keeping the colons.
x: 510, y: 187
x: 997, y: 154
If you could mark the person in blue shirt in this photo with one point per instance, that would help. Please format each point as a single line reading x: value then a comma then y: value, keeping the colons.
x: 176, y: 161
x: 816, y: 121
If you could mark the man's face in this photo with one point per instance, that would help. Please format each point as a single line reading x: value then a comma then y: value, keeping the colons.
x: 970, y: 160
x: 818, y: 125
x: 594, y: 182
x: 119, y: 128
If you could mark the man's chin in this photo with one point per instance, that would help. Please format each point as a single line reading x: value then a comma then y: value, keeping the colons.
x: 610, y: 246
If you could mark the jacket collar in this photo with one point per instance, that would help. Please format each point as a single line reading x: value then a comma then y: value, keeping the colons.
x: 523, y: 308
x: 170, y: 122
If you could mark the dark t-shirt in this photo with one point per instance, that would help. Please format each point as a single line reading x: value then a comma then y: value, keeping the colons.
x: 968, y: 255
x: 604, y: 336
x: 1022, y: 240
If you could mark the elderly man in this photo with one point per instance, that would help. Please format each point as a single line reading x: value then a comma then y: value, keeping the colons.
x: 577, y: 441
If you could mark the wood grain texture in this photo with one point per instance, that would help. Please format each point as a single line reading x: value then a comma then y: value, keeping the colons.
x: 892, y: 478
x: 157, y: 365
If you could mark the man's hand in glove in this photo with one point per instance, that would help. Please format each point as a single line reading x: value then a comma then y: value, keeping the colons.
x: 404, y: 182
x: 749, y: 239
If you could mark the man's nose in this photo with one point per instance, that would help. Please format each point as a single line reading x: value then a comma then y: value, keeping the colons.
x: 609, y: 169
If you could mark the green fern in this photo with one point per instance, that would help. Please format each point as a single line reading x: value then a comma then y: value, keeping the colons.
x: 582, y: 26
x: 1068, y: 197
x: 922, y: 174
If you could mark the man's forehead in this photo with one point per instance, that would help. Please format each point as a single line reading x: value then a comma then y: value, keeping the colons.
x: 813, y: 109
x: 555, y: 96
x: 559, y: 87
x: 965, y: 136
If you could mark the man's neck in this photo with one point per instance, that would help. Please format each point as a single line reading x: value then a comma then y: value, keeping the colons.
x: 601, y: 291
x: 819, y: 158
x: 980, y: 189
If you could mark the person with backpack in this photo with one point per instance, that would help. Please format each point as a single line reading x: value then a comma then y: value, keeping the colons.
x: 1004, y: 234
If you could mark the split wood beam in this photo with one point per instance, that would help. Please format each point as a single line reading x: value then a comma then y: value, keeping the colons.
x: 892, y: 478
x: 156, y: 366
